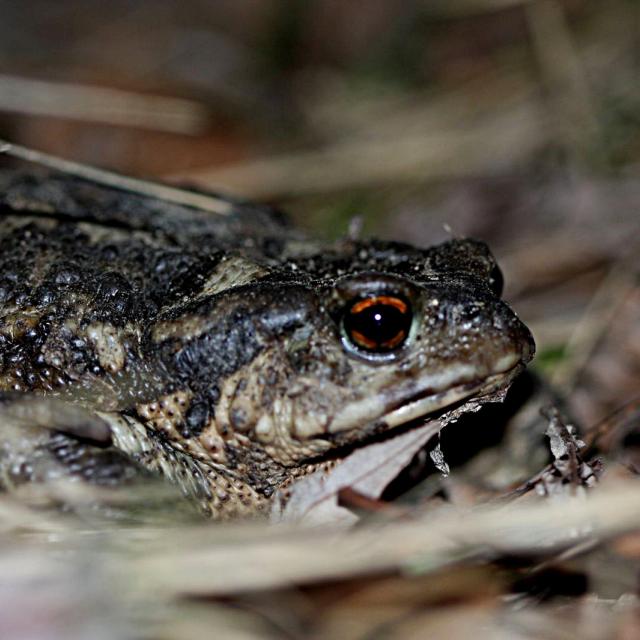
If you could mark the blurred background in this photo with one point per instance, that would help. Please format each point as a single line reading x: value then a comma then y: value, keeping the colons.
x: 514, y: 121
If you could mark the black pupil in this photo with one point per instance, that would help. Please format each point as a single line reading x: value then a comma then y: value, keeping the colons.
x: 377, y: 325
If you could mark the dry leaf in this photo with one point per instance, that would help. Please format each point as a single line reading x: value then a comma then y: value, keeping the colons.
x: 368, y: 470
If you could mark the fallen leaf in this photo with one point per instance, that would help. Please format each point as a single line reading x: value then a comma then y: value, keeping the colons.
x: 367, y: 471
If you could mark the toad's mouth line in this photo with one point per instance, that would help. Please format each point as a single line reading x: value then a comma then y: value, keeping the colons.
x: 426, y: 403
x: 433, y: 395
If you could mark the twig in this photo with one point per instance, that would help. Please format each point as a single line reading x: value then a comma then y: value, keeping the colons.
x: 597, y: 317
x: 108, y: 178
x: 101, y: 104
x: 276, y: 556
x: 414, y: 156
x: 563, y: 71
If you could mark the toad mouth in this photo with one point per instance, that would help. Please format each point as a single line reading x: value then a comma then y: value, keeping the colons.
x: 427, y: 403
x: 425, y: 399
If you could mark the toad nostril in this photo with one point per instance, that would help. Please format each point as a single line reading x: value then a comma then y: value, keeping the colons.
x: 504, y: 319
x: 507, y: 324
x: 471, y: 316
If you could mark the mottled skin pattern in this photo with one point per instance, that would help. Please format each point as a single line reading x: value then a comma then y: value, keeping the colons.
x: 211, y: 347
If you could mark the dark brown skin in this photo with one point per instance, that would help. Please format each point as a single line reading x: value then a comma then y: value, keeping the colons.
x: 226, y: 352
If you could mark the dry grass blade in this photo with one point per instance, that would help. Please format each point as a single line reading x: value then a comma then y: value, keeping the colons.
x: 55, y: 414
x: 256, y: 558
x: 598, y: 316
x: 564, y: 73
x: 500, y: 140
x: 108, y: 178
x: 101, y: 104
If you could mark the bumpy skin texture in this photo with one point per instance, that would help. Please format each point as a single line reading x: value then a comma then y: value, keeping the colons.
x: 213, y: 346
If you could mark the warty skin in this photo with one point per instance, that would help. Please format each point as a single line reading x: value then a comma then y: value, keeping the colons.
x: 215, y: 349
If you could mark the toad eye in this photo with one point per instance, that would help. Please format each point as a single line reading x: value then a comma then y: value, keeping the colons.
x: 377, y: 324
